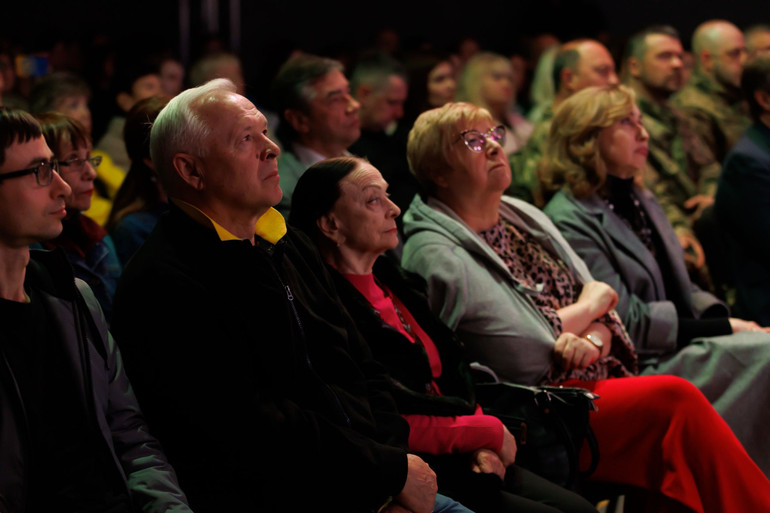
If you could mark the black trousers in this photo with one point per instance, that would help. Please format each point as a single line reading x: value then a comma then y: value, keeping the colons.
x: 521, y: 492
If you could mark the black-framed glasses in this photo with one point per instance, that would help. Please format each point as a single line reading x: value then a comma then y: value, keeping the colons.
x: 79, y: 163
x: 476, y: 141
x: 43, y: 172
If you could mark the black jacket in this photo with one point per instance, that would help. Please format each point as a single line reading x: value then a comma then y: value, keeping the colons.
x: 253, y: 375
x: 96, y: 361
x: 407, y: 363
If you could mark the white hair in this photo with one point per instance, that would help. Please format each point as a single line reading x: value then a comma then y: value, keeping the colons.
x: 179, y: 127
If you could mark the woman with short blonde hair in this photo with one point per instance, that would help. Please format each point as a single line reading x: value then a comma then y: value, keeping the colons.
x: 427, y: 154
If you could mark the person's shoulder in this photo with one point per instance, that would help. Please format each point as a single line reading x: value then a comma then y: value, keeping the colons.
x: 748, y: 155
x: 692, y: 97
x: 561, y: 204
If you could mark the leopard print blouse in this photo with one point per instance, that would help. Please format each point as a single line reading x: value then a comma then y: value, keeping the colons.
x: 535, y: 268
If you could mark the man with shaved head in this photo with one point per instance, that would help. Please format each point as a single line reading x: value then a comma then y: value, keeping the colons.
x: 712, y: 100
x: 580, y: 63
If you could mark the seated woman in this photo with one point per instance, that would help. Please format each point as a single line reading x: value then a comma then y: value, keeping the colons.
x: 140, y: 200
x: 89, y: 248
x: 595, y: 150
x: 343, y: 205
x: 500, y: 274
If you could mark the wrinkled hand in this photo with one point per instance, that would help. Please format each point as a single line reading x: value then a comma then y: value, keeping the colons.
x: 600, y: 297
x: 419, y: 492
x: 573, y: 352
x: 697, y: 204
x: 507, y: 453
x: 486, y: 461
x: 739, y: 325
x: 693, y: 251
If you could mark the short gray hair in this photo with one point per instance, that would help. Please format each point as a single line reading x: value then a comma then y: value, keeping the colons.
x: 179, y: 128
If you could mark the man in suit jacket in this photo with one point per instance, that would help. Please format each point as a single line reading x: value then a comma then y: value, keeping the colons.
x: 743, y: 200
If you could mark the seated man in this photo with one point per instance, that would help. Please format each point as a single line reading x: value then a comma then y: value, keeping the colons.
x: 743, y: 200
x: 72, y: 436
x: 252, y: 374
x: 319, y: 118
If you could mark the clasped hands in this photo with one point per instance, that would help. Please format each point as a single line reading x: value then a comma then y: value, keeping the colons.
x: 576, y: 351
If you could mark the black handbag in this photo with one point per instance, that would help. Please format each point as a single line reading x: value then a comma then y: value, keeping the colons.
x: 550, y: 424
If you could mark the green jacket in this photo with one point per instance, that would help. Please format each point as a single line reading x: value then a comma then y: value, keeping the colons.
x: 679, y: 165
x: 716, y: 115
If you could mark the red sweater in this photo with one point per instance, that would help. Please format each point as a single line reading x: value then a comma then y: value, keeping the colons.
x: 429, y: 433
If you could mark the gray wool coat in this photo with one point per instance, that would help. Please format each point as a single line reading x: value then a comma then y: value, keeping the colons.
x: 733, y: 371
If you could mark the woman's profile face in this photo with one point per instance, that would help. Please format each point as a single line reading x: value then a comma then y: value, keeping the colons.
x: 623, y: 145
x: 79, y: 174
x: 364, y: 215
x: 441, y: 84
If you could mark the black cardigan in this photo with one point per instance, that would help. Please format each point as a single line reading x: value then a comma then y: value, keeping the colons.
x: 406, y: 362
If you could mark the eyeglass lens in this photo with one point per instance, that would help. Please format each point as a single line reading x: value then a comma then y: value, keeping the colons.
x: 476, y: 140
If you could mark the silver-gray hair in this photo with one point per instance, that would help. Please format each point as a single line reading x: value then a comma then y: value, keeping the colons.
x: 179, y: 128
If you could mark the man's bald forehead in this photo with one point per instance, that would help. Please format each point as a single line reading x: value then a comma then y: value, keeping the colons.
x: 711, y: 35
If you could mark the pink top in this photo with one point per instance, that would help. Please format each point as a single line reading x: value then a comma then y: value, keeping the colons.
x: 430, y: 434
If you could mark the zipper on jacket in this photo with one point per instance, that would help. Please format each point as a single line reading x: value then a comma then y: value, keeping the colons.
x: 297, y: 318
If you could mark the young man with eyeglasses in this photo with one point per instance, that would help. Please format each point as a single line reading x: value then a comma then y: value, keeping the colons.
x: 72, y: 436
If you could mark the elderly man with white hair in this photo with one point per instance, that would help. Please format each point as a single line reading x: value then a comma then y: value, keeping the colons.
x: 251, y: 372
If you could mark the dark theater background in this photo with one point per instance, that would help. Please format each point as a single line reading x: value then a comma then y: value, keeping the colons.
x: 263, y: 32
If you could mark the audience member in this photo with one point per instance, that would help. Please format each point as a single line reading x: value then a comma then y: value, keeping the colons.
x: 319, y: 116
x: 135, y: 78
x: 541, y: 89
x: 65, y: 92
x: 757, y: 40
x: 680, y: 171
x: 10, y: 96
x: 578, y: 64
x: 73, y: 437
x: 432, y: 83
x: 503, y: 278
x: 432, y: 78
x: 272, y: 384
x: 486, y: 80
x: 619, y: 230
x: 140, y: 201
x: 343, y: 205
x: 712, y: 100
x: 87, y: 245
x: 380, y: 85
x: 218, y: 64
x: 172, y: 76
x: 68, y: 93
x: 743, y: 200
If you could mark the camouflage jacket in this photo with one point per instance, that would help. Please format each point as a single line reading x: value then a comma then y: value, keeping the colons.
x: 679, y: 166
x: 526, y: 179
x: 717, y: 116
